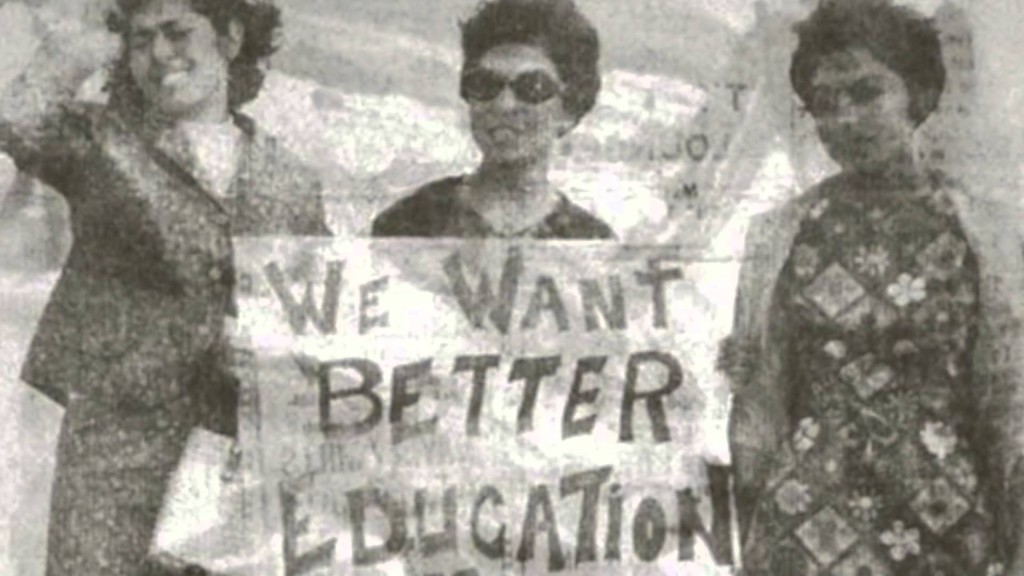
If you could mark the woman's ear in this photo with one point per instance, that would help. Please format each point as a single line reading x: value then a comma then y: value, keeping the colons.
x: 230, y: 43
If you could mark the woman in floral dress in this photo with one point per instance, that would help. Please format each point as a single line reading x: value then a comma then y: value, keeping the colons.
x: 876, y: 352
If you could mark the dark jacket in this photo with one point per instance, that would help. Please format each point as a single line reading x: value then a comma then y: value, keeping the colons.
x: 131, y: 340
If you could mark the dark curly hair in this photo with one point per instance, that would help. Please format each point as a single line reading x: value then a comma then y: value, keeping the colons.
x: 898, y: 37
x: 557, y: 27
x: 261, y: 21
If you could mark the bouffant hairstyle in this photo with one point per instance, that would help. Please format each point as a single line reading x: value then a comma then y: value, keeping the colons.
x: 898, y: 37
x: 260, y: 20
x: 557, y: 27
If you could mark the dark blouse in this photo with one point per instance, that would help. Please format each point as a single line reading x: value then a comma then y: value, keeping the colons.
x: 435, y: 211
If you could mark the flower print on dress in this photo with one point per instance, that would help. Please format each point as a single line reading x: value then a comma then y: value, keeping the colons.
x: 938, y: 314
x: 901, y: 541
x: 883, y: 470
x: 944, y: 322
x: 962, y: 472
x: 939, y: 439
x: 831, y: 467
x: 793, y: 497
x: 836, y: 349
x: 996, y: 569
x: 818, y: 209
x: 906, y: 290
x: 851, y: 436
x: 944, y: 257
x: 806, y: 434
x: 863, y: 505
x: 873, y: 261
x: 805, y: 261
x: 940, y: 506
x: 902, y: 408
x: 904, y: 348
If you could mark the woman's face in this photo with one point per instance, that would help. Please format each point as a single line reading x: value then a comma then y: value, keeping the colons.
x: 520, y: 123
x: 862, y: 111
x: 178, y: 60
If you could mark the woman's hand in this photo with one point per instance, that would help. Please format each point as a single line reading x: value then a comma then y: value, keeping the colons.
x: 82, y: 48
x: 46, y: 43
x: 737, y: 360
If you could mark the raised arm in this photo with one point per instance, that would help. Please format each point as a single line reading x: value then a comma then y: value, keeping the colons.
x: 44, y: 62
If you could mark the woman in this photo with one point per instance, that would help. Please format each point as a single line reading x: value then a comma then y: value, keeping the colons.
x: 157, y: 181
x: 877, y: 349
x: 529, y: 75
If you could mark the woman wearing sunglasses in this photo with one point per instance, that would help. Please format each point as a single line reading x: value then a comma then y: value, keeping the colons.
x: 158, y: 181
x: 877, y: 354
x: 529, y: 75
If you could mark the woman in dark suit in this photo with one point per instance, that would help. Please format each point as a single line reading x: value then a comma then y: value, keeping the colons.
x: 158, y: 181
x: 529, y: 75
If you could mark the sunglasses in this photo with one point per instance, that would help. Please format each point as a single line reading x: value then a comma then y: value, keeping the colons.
x: 826, y: 100
x: 532, y: 87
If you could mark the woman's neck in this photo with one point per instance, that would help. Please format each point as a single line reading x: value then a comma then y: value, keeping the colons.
x: 511, y: 197
x: 213, y: 110
x: 897, y: 173
x: 510, y: 184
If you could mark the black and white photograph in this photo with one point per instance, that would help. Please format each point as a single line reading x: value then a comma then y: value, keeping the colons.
x: 474, y: 287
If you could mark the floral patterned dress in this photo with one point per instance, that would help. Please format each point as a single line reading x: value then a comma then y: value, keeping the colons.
x: 880, y: 475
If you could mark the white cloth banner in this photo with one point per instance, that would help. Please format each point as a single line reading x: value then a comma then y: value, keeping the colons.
x: 434, y: 407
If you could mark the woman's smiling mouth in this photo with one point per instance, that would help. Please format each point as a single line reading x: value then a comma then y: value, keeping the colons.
x: 172, y: 79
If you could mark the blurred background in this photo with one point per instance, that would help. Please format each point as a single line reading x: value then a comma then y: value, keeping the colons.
x: 696, y: 129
